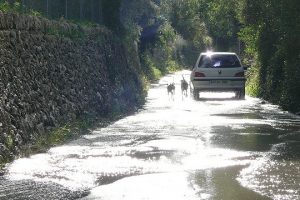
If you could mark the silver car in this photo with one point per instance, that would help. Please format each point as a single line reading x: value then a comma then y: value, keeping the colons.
x: 218, y: 71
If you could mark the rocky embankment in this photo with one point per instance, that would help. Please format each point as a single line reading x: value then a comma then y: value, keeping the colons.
x: 53, y: 72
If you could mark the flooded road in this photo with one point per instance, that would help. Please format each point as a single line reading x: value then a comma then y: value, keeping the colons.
x: 217, y: 148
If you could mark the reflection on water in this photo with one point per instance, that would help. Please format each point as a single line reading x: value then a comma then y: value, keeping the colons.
x: 151, y: 187
x: 247, y: 138
x: 276, y: 174
x: 216, y: 148
x: 221, y: 184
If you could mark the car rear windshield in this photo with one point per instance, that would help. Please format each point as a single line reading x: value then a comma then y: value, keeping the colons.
x: 219, y: 61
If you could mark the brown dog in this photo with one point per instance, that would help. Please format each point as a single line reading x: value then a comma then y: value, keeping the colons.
x: 184, y: 87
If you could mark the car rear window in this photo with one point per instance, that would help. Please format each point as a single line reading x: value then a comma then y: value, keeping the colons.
x: 219, y: 61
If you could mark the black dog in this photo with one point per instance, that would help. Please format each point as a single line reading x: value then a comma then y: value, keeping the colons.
x: 171, y: 90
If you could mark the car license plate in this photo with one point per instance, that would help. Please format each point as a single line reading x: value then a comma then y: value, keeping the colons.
x: 218, y: 82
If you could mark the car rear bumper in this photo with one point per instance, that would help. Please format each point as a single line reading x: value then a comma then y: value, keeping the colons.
x: 225, y: 84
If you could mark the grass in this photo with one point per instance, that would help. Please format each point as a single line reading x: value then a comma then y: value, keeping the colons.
x: 78, y: 34
x: 252, y: 86
x: 154, y: 72
x: 81, y: 32
x: 67, y: 132
x: 59, y: 136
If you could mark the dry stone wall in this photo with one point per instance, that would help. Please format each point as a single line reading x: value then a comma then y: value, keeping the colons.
x: 47, y: 80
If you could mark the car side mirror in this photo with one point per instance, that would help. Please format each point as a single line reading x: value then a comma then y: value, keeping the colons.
x: 246, y: 67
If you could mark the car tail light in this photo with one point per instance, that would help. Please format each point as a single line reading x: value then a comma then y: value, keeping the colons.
x: 199, y: 74
x: 240, y: 74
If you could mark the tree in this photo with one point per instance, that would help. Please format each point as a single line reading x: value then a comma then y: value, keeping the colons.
x: 275, y: 48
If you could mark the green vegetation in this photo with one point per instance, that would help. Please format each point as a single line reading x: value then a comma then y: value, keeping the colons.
x: 164, y: 40
x: 62, y: 134
x: 16, y: 7
x: 265, y: 33
x: 271, y: 34
x: 77, y: 34
x: 169, y: 34
x: 6, y: 7
x: 67, y: 132
x: 161, y: 36
x: 159, y: 58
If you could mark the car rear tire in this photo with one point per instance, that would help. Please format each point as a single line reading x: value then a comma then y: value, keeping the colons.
x: 196, y: 94
x: 241, y: 94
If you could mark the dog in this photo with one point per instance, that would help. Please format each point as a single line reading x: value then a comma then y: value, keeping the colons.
x: 171, y: 90
x: 184, y: 87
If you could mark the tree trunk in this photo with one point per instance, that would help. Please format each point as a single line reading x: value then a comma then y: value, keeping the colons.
x: 66, y: 9
x: 92, y: 10
x: 81, y: 10
x: 100, y: 13
x: 47, y: 8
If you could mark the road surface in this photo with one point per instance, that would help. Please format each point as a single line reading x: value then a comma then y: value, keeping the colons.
x: 217, y: 148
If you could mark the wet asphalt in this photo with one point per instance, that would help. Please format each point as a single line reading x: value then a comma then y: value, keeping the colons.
x: 215, y: 148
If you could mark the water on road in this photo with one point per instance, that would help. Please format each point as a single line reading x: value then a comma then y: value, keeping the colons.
x: 212, y: 149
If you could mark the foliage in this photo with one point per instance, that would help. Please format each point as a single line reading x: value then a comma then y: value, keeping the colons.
x: 16, y: 7
x: 161, y: 36
x: 150, y: 69
x: 160, y: 58
x: 111, y: 13
x: 192, y: 34
x: 272, y: 37
x: 207, y: 23
x: 252, y: 87
x: 222, y: 24
x: 155, y: 38
x: 5, y: 6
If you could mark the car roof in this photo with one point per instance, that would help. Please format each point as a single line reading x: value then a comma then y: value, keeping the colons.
x: 218, y: 53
